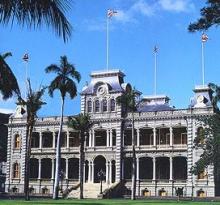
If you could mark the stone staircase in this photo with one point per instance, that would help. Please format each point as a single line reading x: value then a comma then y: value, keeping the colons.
x: 90, y: 190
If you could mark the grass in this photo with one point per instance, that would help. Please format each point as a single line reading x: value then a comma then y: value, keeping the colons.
x: 103, y: 202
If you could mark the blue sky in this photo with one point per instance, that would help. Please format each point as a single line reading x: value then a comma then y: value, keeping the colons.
x: 138, y: 26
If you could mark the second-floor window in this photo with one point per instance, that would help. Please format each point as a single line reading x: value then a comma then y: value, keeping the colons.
x: 17, y: 141
x: 104, y: 105
x: 89, y: 106
x: 97, y: 106
x: 112, y: 104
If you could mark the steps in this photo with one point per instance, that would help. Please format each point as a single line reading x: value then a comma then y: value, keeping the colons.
x: 90, y: 190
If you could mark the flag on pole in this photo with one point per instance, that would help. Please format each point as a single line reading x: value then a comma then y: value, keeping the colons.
x: 204, y: 37
x: 26, y: 57
x: 156, y: 49
x: 111, y: 13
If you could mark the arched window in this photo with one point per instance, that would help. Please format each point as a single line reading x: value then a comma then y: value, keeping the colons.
x: 17, y: 141
x: 97, y: 106
x: 104, y: 105
x: 89, y: 106
x: 112, y: 105
x: 16, y: 170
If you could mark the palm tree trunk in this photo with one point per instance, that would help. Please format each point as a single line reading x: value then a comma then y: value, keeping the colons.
x: 134, y: 164
x: 27, y: 160
x: 58, y: 154
x: 81, y: 163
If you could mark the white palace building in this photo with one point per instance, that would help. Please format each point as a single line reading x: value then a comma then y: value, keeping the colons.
x: 164, y: 145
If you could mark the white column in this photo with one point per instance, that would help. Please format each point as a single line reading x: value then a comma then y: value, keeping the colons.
x: 54, y: 140
x: 93, y: 138
x: 40, y: 140
x: 171, y: 136
x: 138, y: 137
x: 155, y: 135
x: 154, y: 168
x: 107, y: 172
x: 92, y: 172
x: 52, y: 171
x: 39, y: 168
x: 84, y: 172
x: 107, y: 138
x: 89, y: 174
x: 111, y: 140
x: 67, y: 168
x: 171, y: 168
x: 110, y: 172
x: 67, y: 139
x: 138, y: 169
x: 90, y: 138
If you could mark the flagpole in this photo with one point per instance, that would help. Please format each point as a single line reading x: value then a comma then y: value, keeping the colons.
x: 107, y: 43
x: 26, y: 77
x: 155, y: 73
x: 203, y: 65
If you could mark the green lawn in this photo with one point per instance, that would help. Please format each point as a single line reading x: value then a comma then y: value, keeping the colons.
x: 104, y: 202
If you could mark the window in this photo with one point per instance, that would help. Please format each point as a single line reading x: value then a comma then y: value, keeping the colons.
x: 17, y: 142
x: 202, y: 175
x: 97, y: 106
x: 104, y: 105
x: 16, y: 171
x: 200, y: 135
x: 112, y: 104
x: 89, y: 106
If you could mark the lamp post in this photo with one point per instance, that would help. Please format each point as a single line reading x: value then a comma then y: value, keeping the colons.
x: 101, y: 175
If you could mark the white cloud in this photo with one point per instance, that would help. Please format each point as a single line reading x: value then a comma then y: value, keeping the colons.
x: 176, y: 5
x: 143, y: 8
x: 6, y: 111
x: 93, y: 25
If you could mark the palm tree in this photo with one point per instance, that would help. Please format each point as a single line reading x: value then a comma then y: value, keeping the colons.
x: 215, y: 93
x: 32, y: 103
x: 128, y: 102
x: 36, y: 13
x: 82, y: 124
x: 8, y: 81
x: 64, y: 82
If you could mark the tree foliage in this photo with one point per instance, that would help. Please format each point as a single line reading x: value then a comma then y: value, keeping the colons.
x: 208, y: 139
x: 36, y: 13
x: 8, y: 81
x: 64, y: 82
x: 33, y: 103
x: 81, y: 123
x: 210, y: 15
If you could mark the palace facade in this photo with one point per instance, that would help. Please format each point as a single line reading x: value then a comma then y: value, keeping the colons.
x: 164, y: 144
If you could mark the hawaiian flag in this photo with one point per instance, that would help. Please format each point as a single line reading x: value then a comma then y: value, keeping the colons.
x: 204, y: 37
x: 25, y: 57
x: 111, y: 13
x: 156, y: 49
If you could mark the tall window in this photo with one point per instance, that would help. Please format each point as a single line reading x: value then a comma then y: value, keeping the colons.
x: 112, y: 104
x: 17, y: 141
x: 16, y: 171
x: 104, y: 105
x: 97, y: 106
x: 89, y: 106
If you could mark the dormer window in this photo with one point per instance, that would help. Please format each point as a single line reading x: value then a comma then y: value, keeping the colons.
x: 104, y: 105
x: 112, y: 104
x: 97, y: 106
x: 89, y: 106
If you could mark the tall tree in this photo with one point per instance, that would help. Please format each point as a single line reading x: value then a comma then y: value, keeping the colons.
x: 65, y: 84
x: 210, y: 16
x: 36, y: 13
x: 129, y: 104
x: 208, y: 139
x: 33, y: 103
x: 8, y: 81
x: 81, y: 123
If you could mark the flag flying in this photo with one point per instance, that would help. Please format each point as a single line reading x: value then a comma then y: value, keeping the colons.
x: 111, y: 13
x: 204, y: 37
x: 26, y: 57
x: 156, y: 49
